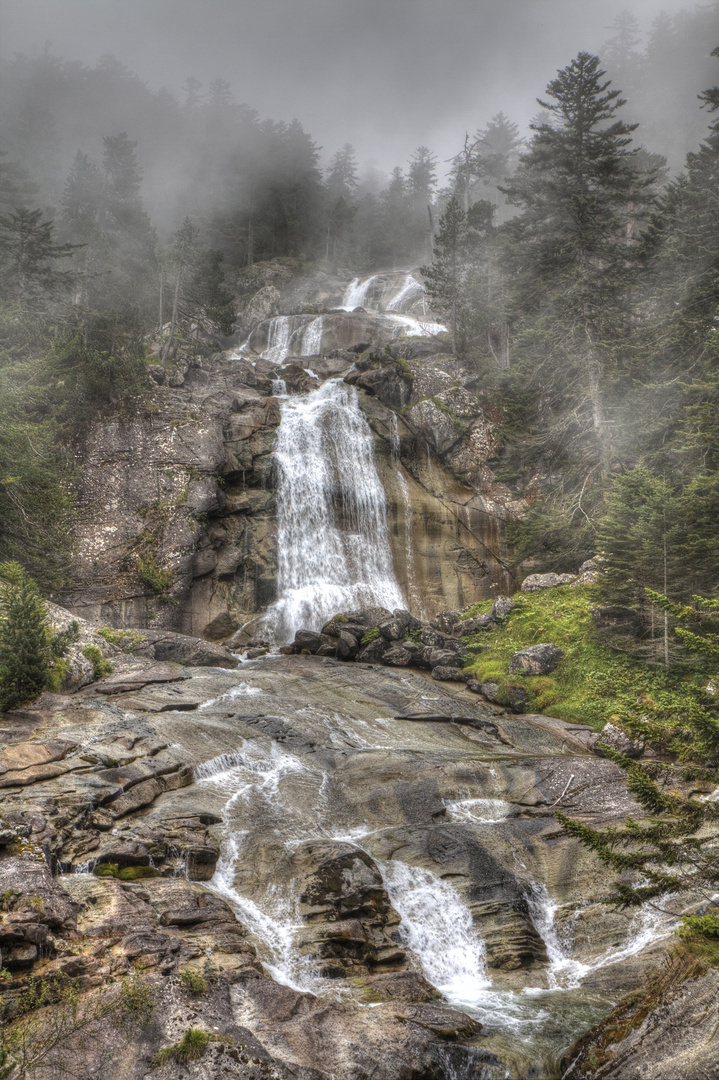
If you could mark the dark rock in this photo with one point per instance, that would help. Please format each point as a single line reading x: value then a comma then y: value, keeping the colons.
x: 326, y: 650
x: 394, y: 629
x: 490, y: 690
x: 536, y: 659
x: 475, y: 686
x: 308, y: 641
x: 397, y: 656
x: 445, y: 621
x: 253, y: 654
x: 449, y: 674
x: 443, y: 658
x: 501, y: 608
x: 373, y: 652
x: 466, y: 626
x: 347, y: 645
x: 518, y: 698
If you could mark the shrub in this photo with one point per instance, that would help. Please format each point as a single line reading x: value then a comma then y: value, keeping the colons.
x: 151, y: 575
x: 371, y: 635
x: 100, y: 666
x: 192, y: 981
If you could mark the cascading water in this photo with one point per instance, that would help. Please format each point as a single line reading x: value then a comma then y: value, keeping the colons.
x: 333, y: 537
x: 409, y: 286
x: 288, y: 335
x: 356, y: 293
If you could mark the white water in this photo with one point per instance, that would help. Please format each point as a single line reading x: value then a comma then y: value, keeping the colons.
x: 253, y: 775
x: 279, y: 387
x: 356, y: 294
x: 409, y: 285
x: 288, y: 335
x: 478, y: 811
x: 332, y: 536
x: 566, y: 973
x: 240, y: 690
x: 438, y: 928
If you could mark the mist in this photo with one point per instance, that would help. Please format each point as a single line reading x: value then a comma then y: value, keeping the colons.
x: 385, y: 77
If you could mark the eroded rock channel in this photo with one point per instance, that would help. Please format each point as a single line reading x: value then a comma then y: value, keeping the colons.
x: 365, y: 895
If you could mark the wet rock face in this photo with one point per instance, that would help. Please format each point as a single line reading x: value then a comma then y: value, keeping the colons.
x: 344, y: 838
x: 352, y: 927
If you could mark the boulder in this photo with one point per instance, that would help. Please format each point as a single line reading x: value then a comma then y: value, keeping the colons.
x: 308, y: 641
x: 443, y: 658
x: 615, y: 738
x: 449, y: 674
x: 546, y: 581
x: 445, y: 621
x: 373, y: 652
x: 183, y: 649
x: 395, y: 629
x: 536, y: 659
x: 347, y: 645
x: 397, y: 656
x: 501, y: 608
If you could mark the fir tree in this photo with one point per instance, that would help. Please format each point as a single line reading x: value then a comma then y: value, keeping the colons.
x: 24, y: 652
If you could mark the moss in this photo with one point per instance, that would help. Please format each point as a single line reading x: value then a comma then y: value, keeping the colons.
x: 593, y: 683
x: 121, y: 639
x: 137, y: 873
x: 193, y: 982
x: 371, y: 635
x: 105, y: 870
x: 100, y: 666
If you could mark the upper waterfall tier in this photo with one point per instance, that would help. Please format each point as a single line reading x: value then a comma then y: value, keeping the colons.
x: 333, y: 539
x: 383, y: 292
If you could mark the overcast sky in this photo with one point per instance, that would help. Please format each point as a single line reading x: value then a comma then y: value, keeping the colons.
x: 385, y: 75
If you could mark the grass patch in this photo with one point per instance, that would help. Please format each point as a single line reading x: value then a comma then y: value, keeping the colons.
x: 191, y: 1046
x: 593, y: 683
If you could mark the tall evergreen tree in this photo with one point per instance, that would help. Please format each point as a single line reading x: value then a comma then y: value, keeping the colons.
x: 572, y: 265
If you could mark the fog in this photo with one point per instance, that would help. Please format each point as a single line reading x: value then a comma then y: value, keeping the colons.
x: 384, y: 75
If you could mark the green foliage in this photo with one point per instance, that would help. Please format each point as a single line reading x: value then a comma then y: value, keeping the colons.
x: 160, y: 581
x: 193, y: 982
x: 24, y: 651
x: 52, y: 1014
x: 191, y: 1046
x: 121, y: 639
x: 100, y: 666
x: 371, y: 635
x: 106, y: 870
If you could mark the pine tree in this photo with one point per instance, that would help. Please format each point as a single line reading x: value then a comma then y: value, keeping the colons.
x: 445, y: 276
x: 28, y: 253
x: 24, y: 643
x: 568, y: 253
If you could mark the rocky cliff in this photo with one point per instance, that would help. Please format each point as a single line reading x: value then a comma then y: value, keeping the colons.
x: 177, y: 502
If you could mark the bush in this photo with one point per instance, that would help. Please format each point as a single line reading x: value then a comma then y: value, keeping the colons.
x: 193, y: 982
x: 371, y: 635
x: 100, y: 666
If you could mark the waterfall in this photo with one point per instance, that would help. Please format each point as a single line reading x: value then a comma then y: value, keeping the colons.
x: 333, y: 539
x: 356, y: 293
x: 279, y: 387
x: 648, y: 925
x: 311, y: 340
x: 278, y: 339
x: 438, y: 928
x: 408, y: 286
